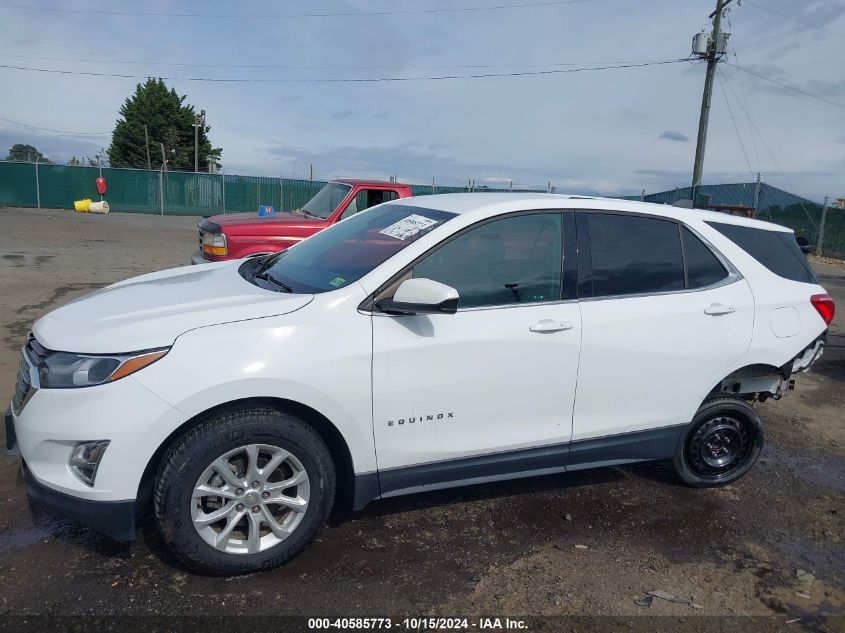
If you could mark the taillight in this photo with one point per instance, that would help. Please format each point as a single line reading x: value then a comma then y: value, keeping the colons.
x: 824, y: 306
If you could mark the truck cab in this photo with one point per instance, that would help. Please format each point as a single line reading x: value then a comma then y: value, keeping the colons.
x: 238, y: 235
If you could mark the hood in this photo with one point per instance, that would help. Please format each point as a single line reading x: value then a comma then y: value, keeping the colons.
x: 152, y: 310
x: 229, y: 223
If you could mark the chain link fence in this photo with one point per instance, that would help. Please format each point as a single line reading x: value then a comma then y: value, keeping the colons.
x: 180, y: 193
x: 166, y: 192
x: 773, y: 205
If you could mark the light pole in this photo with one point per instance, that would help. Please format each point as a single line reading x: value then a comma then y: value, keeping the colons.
x: 199, y: 120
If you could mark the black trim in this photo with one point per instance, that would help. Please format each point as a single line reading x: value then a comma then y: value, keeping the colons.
x: 614, y: 450
x: 11, y: 438
x: 626, y: 448
x: 570, y: 256
x: 471, y: 470
x: 209, y: 227
x: 366, y: 489
x: 585, y: 257
x: 115, y: 519
x: 389, y: 306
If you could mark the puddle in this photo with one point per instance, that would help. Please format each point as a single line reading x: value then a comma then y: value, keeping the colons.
x: 23, y: 537
x: 47, y: 527
x: 820, y: 469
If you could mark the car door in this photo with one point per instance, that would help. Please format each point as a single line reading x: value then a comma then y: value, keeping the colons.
x: 462, y: 396
x: 663, y: 317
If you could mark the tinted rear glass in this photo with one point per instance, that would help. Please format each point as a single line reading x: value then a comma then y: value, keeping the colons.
x: 703, y: 267
x: 776, y: 250
x: 634, y: 255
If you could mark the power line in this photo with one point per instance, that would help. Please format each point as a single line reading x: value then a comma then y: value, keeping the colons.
x: 766, y: 145
x: 789, y: 17
x: 736, y: 128
x: 785, y: 85
x: 745, y: 94
x: 558, y: 71
x: 47, y: 129
x: 290, y: 16
x: 317, y: 67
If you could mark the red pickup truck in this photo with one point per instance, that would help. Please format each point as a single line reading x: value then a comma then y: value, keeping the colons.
x: 237, y: 235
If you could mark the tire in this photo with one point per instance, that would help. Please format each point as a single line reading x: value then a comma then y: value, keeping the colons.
x: 721, y: 444
x: 260, y: 526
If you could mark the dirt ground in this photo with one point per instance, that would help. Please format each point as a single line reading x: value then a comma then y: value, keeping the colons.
x: 589, y: 543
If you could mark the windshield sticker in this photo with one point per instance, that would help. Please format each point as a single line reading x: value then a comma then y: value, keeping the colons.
x: 407, y: 227
x: 337, y: 282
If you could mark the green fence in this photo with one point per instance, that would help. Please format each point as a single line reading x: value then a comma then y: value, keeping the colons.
x: 141, y: 191
x: 167, y: 193
x: 179, y: 193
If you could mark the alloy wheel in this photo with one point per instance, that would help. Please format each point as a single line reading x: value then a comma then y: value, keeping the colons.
x: 250, y: 499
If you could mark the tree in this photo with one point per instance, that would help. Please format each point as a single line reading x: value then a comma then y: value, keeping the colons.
x: 73, y: 162
x: 100, y: 159
x: 26, y: 153
x: 168, y: 121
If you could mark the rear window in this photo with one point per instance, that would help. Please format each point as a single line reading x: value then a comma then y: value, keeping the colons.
x: 776, y: 250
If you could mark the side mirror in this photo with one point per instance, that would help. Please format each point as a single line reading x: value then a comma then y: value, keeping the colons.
x: 421, y: 296
x: 803, y: 244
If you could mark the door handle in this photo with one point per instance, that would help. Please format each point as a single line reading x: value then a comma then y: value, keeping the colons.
x: 717, y: 308
x: 547, y: 325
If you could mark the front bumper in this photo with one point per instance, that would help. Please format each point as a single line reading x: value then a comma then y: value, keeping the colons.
x: 11, y: 439
x: 133, y: 419
x: 197, y: 258
x: 115, y: 519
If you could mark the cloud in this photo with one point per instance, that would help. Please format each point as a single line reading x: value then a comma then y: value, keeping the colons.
x: 674, y: 136
x: 58, y: 148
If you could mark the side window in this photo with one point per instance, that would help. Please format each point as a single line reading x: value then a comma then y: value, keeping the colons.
x: 367, y: 198
x: 703, y: 267
x: 634, y: 255
x: 509, y: 261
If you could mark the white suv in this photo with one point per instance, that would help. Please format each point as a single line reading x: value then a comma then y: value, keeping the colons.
x: 425, y: 343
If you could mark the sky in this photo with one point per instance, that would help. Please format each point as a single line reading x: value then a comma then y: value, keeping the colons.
x: 606, y: 132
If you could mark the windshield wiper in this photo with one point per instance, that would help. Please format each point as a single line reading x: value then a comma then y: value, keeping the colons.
x: 306, y: 213
x: 268, y: 277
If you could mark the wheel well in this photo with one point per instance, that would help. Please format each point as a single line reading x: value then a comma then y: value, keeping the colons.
x: 328, y: 432
x: 755, y: 382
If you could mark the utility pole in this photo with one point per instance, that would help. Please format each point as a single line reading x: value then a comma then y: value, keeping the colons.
x: 820, y: 241
x: 147, y: 141
x: 161, y: 180
x: 714, y: 51
x: 757, y: 192
x: 199, y: 120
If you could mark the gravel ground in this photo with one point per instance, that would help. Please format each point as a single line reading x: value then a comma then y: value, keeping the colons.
x: 582, y: 544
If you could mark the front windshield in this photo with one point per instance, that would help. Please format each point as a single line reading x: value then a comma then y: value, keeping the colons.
x: 346, y: 251
x: 325, y: 201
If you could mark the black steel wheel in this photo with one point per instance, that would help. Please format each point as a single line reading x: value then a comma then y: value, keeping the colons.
x: 722, y: 443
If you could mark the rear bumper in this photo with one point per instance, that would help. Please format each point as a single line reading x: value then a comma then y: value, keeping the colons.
x: 115, y: 519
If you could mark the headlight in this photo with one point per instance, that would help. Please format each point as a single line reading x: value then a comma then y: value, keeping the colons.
x: 63, y: 370
x: 214, y: 244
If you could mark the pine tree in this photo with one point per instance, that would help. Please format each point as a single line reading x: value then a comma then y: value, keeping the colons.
x: 168, y: 121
